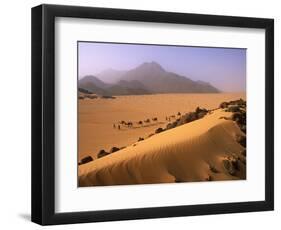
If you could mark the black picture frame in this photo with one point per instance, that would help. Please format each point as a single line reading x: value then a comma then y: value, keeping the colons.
x: 43, y: 114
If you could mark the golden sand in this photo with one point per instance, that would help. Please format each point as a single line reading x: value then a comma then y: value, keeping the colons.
x: 97, y: 116
x: 196, y: 151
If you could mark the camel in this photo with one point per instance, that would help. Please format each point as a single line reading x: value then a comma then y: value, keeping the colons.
x: 147, y: 121
x: 129, y: 124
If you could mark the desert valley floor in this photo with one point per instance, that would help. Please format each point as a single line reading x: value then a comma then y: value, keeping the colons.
x: 100, y: 129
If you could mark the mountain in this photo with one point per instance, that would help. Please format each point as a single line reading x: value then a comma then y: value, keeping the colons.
x: 156, y: 79
x: 128, y: 88
x: 88, y: 80
x: 148, y: 78
x: 110, y: 75
x: 134, y: 84
x: 92, y: 84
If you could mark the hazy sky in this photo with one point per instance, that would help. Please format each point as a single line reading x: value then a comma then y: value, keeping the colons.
x: 223, y: 68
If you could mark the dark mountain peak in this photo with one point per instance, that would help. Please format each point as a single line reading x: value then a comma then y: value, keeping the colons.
x: 156, y: 79
x: 151, y: 66
x: 149, y: 77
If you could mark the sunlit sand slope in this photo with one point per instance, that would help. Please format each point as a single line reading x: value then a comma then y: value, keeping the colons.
x: 202, y: 150
x: 96, y: 117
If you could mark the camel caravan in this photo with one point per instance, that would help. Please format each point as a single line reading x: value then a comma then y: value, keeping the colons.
x: 136, y: 124
x: 143, y: 123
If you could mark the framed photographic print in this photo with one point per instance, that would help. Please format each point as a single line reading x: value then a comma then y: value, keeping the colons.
x: 142, y: 114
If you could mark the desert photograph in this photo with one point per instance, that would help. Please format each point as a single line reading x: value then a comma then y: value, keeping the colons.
x: 150, y: 114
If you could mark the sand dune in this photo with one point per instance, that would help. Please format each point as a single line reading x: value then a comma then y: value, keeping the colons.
x: 202, y: 150
x: 97, y: 116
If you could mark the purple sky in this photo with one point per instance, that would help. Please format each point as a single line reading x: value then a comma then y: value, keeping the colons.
x: 223, y: 68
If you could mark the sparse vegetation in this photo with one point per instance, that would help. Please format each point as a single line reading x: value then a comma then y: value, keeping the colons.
x: 159, y: 130
x: 85, y: 160
x: 102, y: 153
x: 114, y: 149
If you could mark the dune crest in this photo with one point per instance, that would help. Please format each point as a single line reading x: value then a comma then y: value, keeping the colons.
x: 202, y: 150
